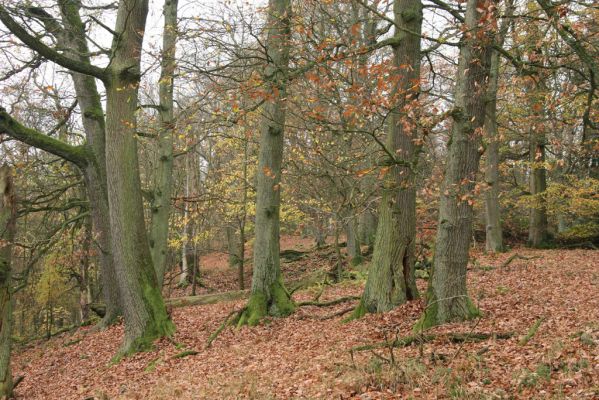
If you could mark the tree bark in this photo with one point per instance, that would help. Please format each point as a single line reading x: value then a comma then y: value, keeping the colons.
x: 7, y: 235
x: 447, y: 296
x: 145, y: 313
x: 391, y: 279
x: 269, y: 296
x: 494, y: 231
x: 73, y: 40
x: 161, y: 203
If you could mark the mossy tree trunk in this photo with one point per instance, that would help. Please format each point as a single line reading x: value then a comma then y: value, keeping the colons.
x: 447, y: 296
x: 391, y: 279
x: 7, y: 235
x: 145, y: 313
x: 494, y: 231
x: 161, y: 201
x: 268, y: 295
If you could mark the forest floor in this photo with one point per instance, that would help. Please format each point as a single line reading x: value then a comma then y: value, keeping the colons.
x: 307, y: 357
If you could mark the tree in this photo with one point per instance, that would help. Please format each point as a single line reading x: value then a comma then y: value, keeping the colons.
x: 447, y: 297
x: 494, y: 232
x: 161, y: 199
x: 145, y: 314
x: 268, y: 293
x: 391, y: 279
x: 7, y: 235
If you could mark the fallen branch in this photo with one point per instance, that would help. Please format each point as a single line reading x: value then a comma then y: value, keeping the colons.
x: 519, y: 257
x: 452, y: 337
x: 328, y: 303
x: 207, y: 298
x: 185, y: 354
x: 531, y: 332
x: 17, y: 380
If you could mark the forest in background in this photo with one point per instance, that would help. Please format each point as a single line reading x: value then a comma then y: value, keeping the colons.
x: 399, y: 142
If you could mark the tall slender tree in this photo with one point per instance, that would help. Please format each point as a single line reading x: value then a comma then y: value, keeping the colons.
x: 161, y: 199
x: 268, y: 293
x: 494, y: 232
x: 7, y: 235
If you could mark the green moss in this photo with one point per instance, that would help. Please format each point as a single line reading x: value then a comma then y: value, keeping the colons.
x: 258, y: 307
x: 431, y: 316
x: 358, y: 312
x: 281, y: 305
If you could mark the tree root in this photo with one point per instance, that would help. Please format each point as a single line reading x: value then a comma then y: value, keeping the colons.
x: 231, y: 319
x: 519, y: 257
x: 328, y: 303
x: 451, y: 337
x: 531, y: 332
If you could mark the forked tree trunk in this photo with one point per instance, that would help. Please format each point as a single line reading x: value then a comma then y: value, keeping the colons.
x: 145, y: 313
x: 268, y: 295
x: 7, y: 234
x: 447, y: 297
x: 161, y: 203
x: 391, y: 280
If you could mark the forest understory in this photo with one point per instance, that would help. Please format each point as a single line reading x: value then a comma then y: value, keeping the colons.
x: 542, y: 314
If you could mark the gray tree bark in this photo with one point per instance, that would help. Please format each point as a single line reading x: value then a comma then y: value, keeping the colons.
x: 494, y: 232
x: 268, y: 295
x: 7, y: 234
x: 447, y: 297
x: 145, y: 313
x: 161, y: 204
x: 391, y: 280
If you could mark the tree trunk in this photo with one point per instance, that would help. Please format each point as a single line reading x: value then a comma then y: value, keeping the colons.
x: 232, y: 246
x: 353, y: 241
x: 269, y: 296
x: 161, y: 203
x: 447, y: 297
x: 494, y: 232
x: 74, y: 41
x: 368, y: 224
x: 391, y: 279
x: 537, y: 230
x: 145, y: 313
x: 7, y: 235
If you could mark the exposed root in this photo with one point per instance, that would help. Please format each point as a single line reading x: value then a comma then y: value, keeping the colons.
x: 231, y: 319
x: 531, y: 332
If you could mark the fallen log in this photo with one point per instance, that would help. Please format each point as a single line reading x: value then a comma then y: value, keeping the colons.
x: 207, y: 298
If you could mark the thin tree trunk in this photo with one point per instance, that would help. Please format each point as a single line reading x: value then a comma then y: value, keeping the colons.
x: 269, y: 296
x: 353, y: 241
x: 161, y: 203
x: 494, y: 232
x: 7, y: 235
x: 447, y: 297
x: 537, y: 231
x: 391, y: 279
x: 145, y: 313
